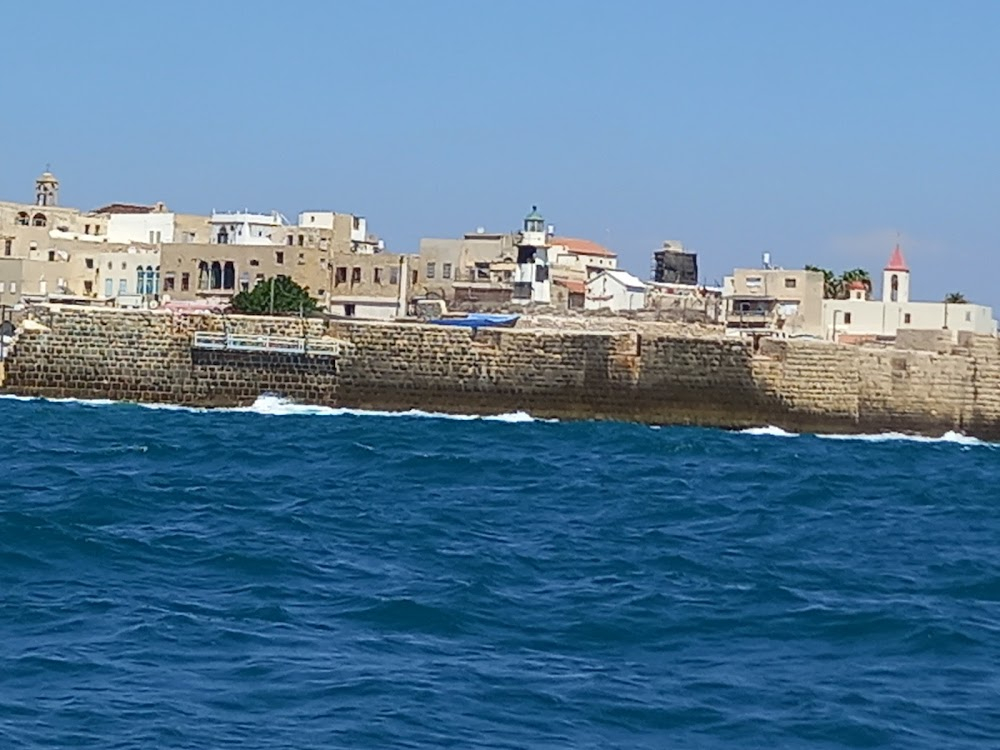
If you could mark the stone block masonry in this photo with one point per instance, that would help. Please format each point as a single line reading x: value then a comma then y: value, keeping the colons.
x: 651, y: 374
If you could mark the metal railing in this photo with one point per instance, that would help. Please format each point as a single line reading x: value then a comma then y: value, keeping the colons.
x: 242, y: 342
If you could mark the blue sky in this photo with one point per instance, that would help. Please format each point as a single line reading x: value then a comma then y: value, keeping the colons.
x: 813, y: 130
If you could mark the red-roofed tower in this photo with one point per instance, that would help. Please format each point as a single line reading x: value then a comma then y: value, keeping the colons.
x: 896, y: 278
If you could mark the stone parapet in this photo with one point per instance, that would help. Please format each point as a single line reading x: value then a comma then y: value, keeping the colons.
x: 652, y: 374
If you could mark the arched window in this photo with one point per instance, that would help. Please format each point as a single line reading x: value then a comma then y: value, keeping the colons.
x: 155, y: 286
x: 39, y: 220
x: 223, y: 236
x: 23, y: 220
x: 203, y: 275
x: 140, y: 280
x: 216, y: 282
x: 894, y: 288
x: 228, y: 275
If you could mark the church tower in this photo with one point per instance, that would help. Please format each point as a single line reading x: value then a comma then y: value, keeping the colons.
x: 896, y: 279
x: 47, y: 190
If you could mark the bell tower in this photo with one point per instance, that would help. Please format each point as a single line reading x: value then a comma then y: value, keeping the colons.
x: 47, y: 189
x: 896, y: 278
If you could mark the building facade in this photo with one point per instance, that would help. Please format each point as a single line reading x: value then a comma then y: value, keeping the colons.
x: 774, y: 301
x: 859, y: 318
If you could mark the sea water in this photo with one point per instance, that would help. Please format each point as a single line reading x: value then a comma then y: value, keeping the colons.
x: 299, y: 577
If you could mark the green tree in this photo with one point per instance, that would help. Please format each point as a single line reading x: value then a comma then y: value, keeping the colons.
x: 277, y: 295
x: 956, y: 298
x: 836, y: 287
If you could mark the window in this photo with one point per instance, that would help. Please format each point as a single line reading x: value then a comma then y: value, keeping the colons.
x: 302, y: 240
x: 894, y: 288
x: 108, y: 287
x: 968, y: 317
x: 223, y: 236
x: 340, y: 275
x: 88, y: 287
x: 185, y: 281
x: 254, y: 262
x: 431, y: 270
x: 847, y: 318
x: 906, y: 318
x: 394, y: 275
x: 124, y: 265
x: 122, y: 286
x: 446, y: 270
x: 13, y: 287
x: 52, y: 255
x: 302, y: 259
x: 378, y: 275
x: 323, y: 243
x: 215, y: 275
x: 279, y: 257
x: 291, y: 240
x: 152, y: 237
x: 168, y: 281
x: 1, y: 287
x: 355, y: 275
x: 790, y: 283
x: 349, y: 310
x: 8, y: 245
x: 39, y: 220
x: 754, y: 281
x: 357, y: 222
x: 482, y: 272
x: 86, y: 228
x: 89, y: 262
x: 22, y: 220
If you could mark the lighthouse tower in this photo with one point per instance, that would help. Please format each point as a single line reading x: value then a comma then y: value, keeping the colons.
x: 896, y: 279
x: 531, y: 278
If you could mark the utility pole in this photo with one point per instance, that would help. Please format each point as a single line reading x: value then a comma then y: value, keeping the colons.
x: 272, y: 295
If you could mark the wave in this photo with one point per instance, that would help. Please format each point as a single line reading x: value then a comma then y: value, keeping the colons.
x: 271, y: 405
x: 952, y: 437
x: 770, y: 431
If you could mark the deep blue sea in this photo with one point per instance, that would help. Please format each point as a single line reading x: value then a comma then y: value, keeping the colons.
x: 294, y: 577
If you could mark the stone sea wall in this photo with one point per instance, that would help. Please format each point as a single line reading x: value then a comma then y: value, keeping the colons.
x: 656, y: 374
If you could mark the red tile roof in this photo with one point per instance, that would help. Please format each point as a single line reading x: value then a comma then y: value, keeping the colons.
x: 573, y: 285
x: 897, y: 262
x: 582, y: 247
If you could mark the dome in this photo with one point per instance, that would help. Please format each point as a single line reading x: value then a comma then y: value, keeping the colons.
x: 534, y: 215
x: 47, y: 176
x: 856, y: 284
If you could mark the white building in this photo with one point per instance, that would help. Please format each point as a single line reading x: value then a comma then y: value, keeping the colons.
x: 131, y: 278
x: 615, y: 290
x: 531, y: 274
x: 244, y: 227
x: 154, y: 228
x: 862, y: 317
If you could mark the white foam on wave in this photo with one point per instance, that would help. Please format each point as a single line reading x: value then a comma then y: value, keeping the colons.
x: 957, y: 438
x: 270, y: 405
x: 770, y: 431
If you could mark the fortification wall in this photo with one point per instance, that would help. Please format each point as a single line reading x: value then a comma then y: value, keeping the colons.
x: 648, y: 374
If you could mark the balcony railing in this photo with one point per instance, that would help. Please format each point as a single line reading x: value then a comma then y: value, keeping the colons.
x: 322, y: 347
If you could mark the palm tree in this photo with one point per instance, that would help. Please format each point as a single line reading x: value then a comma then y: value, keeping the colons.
x: 955, y: 298
x: 855, y: 274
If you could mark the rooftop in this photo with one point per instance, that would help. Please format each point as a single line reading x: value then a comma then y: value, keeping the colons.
x: 582, y: 247
x: 896, y: 261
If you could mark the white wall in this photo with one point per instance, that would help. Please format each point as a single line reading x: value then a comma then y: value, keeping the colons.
x: 316, y: 219
x: 153, y: 228
x: 359, y: 233
x: 885, y: 318
x: 607, y: 292
x: 121, y: 269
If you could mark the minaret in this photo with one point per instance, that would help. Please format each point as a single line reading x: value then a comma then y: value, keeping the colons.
x: 47, y: 189
x: 896, y: 278
x: 531, y: 279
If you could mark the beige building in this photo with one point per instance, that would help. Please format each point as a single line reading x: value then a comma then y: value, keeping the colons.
x: 774, y: 301
x: 859, y: 318
x: 350, y: 284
